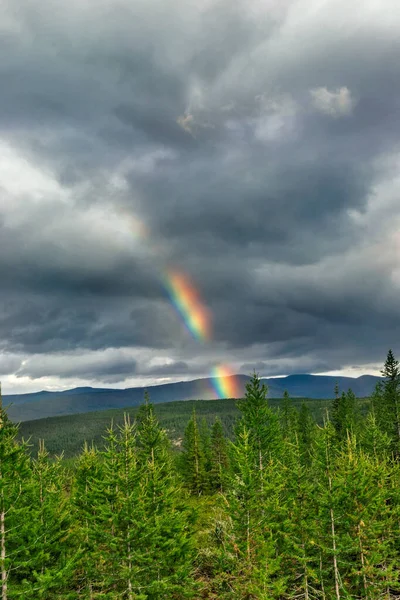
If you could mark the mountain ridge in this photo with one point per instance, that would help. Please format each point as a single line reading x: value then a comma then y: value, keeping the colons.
x: 38, y: 405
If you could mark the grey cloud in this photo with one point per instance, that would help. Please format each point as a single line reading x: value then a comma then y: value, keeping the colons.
x: 106, y: 368
x: 265, y: 177
x: 286, y: 367
x: 174, y: 368
x: 9, y: 364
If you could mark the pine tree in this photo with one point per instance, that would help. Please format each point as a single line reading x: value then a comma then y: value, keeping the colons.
x: 305, y: 432
x: 205, y: 443
x: 374, y: 441
x: 367, y: 521
x: 254, y: 495
x: 337, y: 391
x: 193, y: 458
x: 151, y: 441
x: 253, y: 499
x: 87, y: 499
x: 109, y: 527
x: 329, y: 544
x: 163, y: 551
x: 345, y: 415
x: 376, y: 402
x: 14, y: 471
x: 298, y: 530
x: 47, y: 538
x: 289, y: 417
x: 261, y: 424
x: 219, y: 457
x: 390, y: 408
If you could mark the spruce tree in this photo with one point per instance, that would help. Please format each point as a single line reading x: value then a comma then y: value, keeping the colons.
x: 305, y: 432
x: 112, y: 536
x: 261, y: 424
x: 366, y: 526
x: 193, y: 459
x: 163, y: 542
x: 219, y: 457
x: 375, y: 442
x: 48, y: 540
x: 289, y: 417
x: 345, y: 414
x: 254, y: 495
x: 253, y: 499
x: 390, y: 400
x: 298, y: 530
x: 205, y: 442
x: 329, y: 543
x: 14, y: 472
x: 151, y: 441
x: 87, y: 499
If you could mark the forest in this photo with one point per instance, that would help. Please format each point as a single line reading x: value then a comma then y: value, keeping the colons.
x: 287, y: 506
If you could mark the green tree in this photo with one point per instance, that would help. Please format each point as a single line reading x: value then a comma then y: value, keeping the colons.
x: 47, y: 538
x: 367, y: 524
x: 345, y: 415
x: 193, y: 460
x: 329, y: 512
x: 254, y: 495
x: 374, y: 441
x: 87, y: 499
x: 298, y: 530
x: 253, y: 499
x: 205, y: 442
x: 289, y: 417
x: 14, y: 472
x: 261, y: 424
x: 163, y: 539
x: 390, y: 400
x: 219, y: 457
x: 305, y: 432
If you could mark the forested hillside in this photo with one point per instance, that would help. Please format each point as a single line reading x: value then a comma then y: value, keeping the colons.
x: 286, y: 508
x: 40, y: 405
x: 68, y: 434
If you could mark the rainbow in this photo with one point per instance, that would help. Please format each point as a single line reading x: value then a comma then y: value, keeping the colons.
x: 186, y: 300
x: 225, y: 382
x: 195, y: 315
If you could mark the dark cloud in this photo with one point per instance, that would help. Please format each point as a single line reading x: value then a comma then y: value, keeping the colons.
x: 174, y: 368
x: 89, y: 367
x: 9, y: 364
x: 257, y: 142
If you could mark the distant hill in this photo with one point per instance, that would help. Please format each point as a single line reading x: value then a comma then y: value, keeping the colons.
x: 28, y: 407
x: 322, y: 386
x: 68, y: 433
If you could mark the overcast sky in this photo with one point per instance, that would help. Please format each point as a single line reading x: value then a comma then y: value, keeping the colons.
x: 253, y: 145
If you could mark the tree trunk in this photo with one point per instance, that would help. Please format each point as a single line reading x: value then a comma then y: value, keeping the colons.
x: 362, y: 558
x: 332, y: 517
x: 322, y: 578
x: 335, y: 565
x: 396, y: 403
x: 130, y: 595
x: 3, y: 555
x: 306, y: 592
x: 248, y: 536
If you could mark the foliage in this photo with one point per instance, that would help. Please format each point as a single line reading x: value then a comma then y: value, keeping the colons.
x: 270, y: 501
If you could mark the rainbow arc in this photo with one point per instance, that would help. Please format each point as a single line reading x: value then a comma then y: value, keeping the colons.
x: 196, y: 317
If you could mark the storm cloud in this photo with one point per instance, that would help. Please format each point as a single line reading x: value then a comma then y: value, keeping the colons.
x: 254, y: 146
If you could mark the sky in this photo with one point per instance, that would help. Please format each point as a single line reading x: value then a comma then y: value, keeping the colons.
x: 249, y: 148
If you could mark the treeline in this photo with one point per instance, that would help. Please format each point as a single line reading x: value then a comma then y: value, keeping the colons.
x: 286, y: 509
x: 67, y: 434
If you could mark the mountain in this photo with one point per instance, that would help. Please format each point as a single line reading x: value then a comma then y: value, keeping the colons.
x: 322, y: 386
x: 28, y: 407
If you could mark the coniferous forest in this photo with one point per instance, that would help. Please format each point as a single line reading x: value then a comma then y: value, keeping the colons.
x: 286, y: 509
